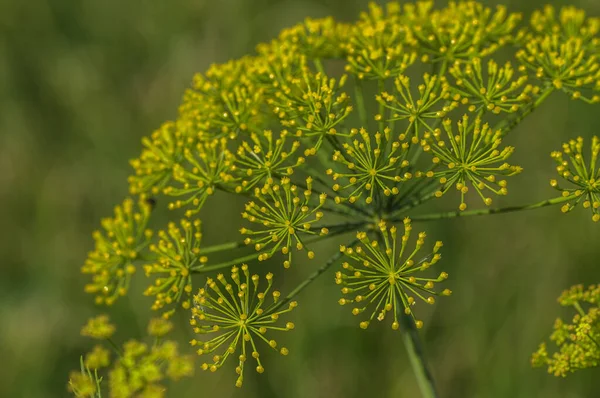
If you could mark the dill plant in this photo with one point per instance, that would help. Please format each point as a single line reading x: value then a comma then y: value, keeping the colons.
x: 323, y: 133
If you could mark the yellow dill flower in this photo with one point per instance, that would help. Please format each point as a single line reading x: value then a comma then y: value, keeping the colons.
x: 237, y: 315
x: 98, y: 358
x: 570, y: 22
x: 285, y: 217
x: 585, y: 177
x: 111, y: 264
x: 163, y: 149
x: 378, y: 45
x: 469, y: 158
x: 262, y: 157
x: 178, y: 252
x: 224, y: 101
x: 372, y: 168
x: 461, y: 31
x: 312, y: 104
x: 208, y: 166
x: 316, y: 38
x: 578, y: 342
x: 382, y: 279
x: 159, y: 327
x: 496, y: 91
x: 565, y: 64
x: 98, y: 328
x: 84, y: 384
x: 433, y: 103
x: 140, y: 370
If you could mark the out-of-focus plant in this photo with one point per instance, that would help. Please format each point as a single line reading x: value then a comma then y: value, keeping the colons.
x: 316, y: 153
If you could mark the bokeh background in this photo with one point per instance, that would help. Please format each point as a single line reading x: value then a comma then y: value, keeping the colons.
x: 82, y: 81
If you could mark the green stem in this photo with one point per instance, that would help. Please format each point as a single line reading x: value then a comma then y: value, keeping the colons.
x: 226, y: 264
x: 481, y: 212
x: 416, y: 355
x: 508, y: 124
x: 222, y: 246
x: 381, y: 89
x: 335, y: 230
x: 311, y: 278
x: 319, y: 66
x: 360, y: 102
x: 414, y: 203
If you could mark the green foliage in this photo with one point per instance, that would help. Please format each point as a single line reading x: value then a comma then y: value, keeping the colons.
x: 301, y: 143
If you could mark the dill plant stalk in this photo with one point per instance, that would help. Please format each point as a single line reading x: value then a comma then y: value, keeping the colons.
x: 323, y: 133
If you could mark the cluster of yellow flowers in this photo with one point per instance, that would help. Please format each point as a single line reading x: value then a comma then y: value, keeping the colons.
x: 301, y: 143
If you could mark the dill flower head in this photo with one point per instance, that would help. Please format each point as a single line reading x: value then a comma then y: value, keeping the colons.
x: 84, y: 383
x: 583, y: 177
x: 98, y: 358
x: 316, y: 38
x: 159, y: 327
x: 141, y: 369
x: 313, y: 104
x: 163, y: 149
x: 470, y: 158
x: 384, y: 277
x: 570, y: 22
x: 577, y: 342
x: 111, y: 264
x: 378, y: 45
x: 286, y: 215
x: 432, y: 103
x: 263, y: 157
x: 99, y: 328
x: 206, y: 167
x: 461, y: 31
x: 178, y: 252
x: 369, y: 170
x: 495, y: 90
x: 234, y: 315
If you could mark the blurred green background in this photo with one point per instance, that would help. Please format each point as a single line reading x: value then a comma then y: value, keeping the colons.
x: 82, y: 81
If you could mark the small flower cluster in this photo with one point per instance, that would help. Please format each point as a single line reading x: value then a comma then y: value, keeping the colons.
x: 385, y: 278
x: 138, y: 369
x: 236, y: 313
x: 112, y: 262
x: 469, y: 158
x: 584, y: 177
x: 578, y: 342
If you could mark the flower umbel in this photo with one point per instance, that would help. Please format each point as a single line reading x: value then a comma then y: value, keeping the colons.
x: 578, y: 342
x: 285, y: 216
x: 208, y: 166
x: 495, y: 91
x: 98, y: 328
x: 236, y: 314
x: 112, y: 261
x: 178, y: 251
x: 370, y: 167
x: 471, y: 158
x: 383, y: 278
x: 585, y: 177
